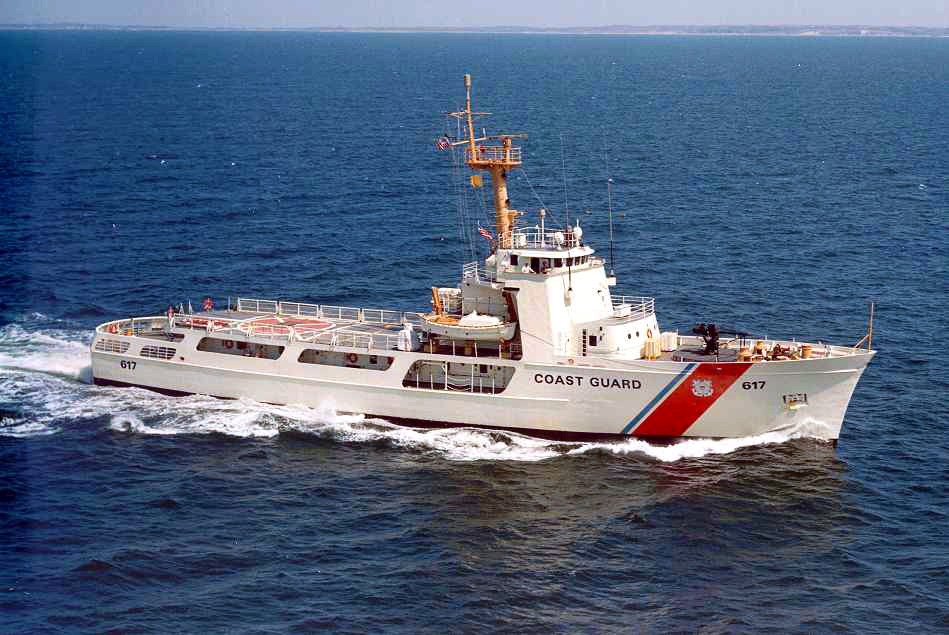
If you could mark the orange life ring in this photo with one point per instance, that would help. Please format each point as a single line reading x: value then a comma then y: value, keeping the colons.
x: 228, y: 344
x: 649, y: 334
x: 352, y: 357
x: 113, y: 328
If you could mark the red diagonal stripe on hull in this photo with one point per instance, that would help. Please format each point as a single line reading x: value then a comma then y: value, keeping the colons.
x: 682, y: 407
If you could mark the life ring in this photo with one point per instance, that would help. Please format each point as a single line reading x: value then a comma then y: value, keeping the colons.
x: 228, y: 344
x: 352, y: 358
x: 113, y: 328
x: 648, y: 334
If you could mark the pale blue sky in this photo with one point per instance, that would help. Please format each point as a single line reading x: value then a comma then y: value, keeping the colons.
x: 380, y: 13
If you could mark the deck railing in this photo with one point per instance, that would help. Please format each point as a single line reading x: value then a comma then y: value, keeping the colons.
x: 381, y: 316
x: 537, y: 238
x: 331, y: 312
x: 451, y: 381
x: 257, y: 306
x: 473, y: 270
x: 136, y: 326
x: 285, y: 308
x: 634, y: 307
x: 348, y: 313
x: 494, y: 153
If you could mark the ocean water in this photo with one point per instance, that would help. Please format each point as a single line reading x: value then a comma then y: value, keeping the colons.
x: 774, y: 184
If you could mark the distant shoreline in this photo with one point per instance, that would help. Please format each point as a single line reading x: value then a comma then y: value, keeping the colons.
x: 658, y: 30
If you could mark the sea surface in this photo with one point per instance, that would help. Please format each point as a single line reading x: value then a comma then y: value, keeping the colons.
x: 776, y: 185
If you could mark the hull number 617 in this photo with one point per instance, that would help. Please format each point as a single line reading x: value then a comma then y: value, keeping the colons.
x: 127, y: 364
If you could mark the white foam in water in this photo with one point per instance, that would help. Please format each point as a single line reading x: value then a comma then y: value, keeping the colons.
x: 40, y: 369
x: 127, y: 422
x: 52, y: 351
x: 45, y: 371
x: 695, y: 448
x: 10, y: 427
x: 156, y: 414
x: 459, y: 444
x: 245, y: 418
x: 153, y: 414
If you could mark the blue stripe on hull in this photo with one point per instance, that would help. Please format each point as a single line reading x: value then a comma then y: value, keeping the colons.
x: 662, y: 393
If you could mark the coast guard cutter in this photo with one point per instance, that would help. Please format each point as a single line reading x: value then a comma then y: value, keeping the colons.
x: 533, y: 339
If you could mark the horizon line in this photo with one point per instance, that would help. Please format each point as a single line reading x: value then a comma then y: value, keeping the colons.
x: 619, y: 29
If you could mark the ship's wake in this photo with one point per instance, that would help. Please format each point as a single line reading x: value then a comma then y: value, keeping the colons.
x: 45, y: 388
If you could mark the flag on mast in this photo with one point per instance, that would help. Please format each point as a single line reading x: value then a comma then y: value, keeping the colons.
x: 443, y: 143
x: 485, y: 233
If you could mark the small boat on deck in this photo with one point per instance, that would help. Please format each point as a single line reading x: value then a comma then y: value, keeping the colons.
x: 473, y: 327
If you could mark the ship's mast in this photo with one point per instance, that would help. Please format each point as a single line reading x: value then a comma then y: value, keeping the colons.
x: 493, y: 158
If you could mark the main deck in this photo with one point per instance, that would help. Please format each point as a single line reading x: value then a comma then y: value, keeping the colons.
x: 274, y: 322
x: 377, y: 330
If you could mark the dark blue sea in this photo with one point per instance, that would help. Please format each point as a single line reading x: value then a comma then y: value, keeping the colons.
x: 777, y: 185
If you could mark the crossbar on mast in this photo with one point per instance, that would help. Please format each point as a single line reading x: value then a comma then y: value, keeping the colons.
x: 493, y: 158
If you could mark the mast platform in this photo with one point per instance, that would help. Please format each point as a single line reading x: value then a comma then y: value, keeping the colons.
x: 488, y: 157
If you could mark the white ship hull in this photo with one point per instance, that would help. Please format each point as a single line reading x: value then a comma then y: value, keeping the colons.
x: 645, y: 398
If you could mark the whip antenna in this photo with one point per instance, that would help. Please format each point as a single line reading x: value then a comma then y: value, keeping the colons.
x: 609, y: 196
x: 563, y: 164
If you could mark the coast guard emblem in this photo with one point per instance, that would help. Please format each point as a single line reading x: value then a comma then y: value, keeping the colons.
x: 702, y: 387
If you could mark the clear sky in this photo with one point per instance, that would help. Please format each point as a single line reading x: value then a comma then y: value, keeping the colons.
x: 404, y: 13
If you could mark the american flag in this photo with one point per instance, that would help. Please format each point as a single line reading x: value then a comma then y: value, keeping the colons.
x: 485, y: 233
x: 443, y: 143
